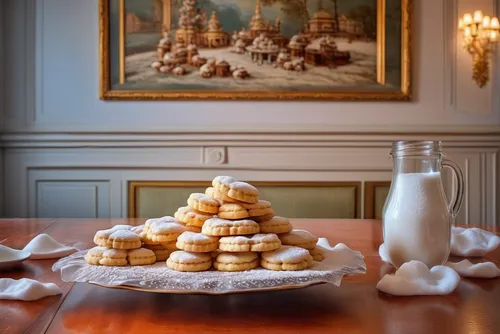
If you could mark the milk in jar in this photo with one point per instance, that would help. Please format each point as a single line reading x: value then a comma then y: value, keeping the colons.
x: 417, y: 218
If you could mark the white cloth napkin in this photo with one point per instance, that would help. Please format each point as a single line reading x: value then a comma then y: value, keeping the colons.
x: 414, y: 278
x: 479, y: 270
x: 340, y: 253
x: 26, y: 289
x: 472, y: 241
x: 44, y: 246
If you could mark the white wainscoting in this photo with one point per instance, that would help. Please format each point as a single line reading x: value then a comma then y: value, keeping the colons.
x: 90, y: 178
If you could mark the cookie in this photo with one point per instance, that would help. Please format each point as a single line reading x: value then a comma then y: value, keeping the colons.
x: 261, y: 208
x: 188, y: 216
x: 215, y: 253
x: 221, y: 183
x: 122, y: 227
x: 243, y: 192
x: 146, y: 239
x: 94, y: 255
x: 236, y: 261
x: 215, y: 194
x: 124, y: 239
x: 186, y: 261
x: 138, y: 229
x: 152, y: 221
x: 264, y: 218
x: 222, y: 227
x: 256, y: 243
x: 114, y: 257
x: 162, y: 254
x: 232, y: 211
x: 264, y: 242
x: 162, y: 251
x: 141, y: 257
x: 171, y: 245
x: 165, y: 232
x: 194, y: 229
x: 155, y: 247
x: 276, y: 225
x: 203, y: 203
x: 299, y: 238
x: 234, y: 244
x: 197, y: 242
x: 101, y: 238
x: 287, y: 258
x: 318, y: 253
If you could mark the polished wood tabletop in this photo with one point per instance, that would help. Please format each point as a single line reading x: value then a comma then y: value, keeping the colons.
x: 354, y: 307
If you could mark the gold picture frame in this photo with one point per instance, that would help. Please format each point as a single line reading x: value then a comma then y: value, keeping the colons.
x: 402, y: 93
x: 370, y: 200
x: 135, y: 186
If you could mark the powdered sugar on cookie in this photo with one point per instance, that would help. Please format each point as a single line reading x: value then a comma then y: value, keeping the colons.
x: 141, y: 252
x: 244, y: 187
x: 261, y: 204
x: 166, y: 228
x: 217, y: 222
x: 124, y: 235
x: 115, y: 253
x: 257, y: 238
x: 227, y: 180
x: 188, y: 257
x: 238, y: 240
x: 286, y: 254
x: 191, y: 237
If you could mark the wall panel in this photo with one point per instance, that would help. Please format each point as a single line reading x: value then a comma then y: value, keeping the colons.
x: 71, y: 199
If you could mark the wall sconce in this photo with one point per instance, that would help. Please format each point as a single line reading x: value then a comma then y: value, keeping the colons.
x: 480, y: 33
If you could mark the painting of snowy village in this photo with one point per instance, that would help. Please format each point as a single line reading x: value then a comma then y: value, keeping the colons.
x: 255, y: 48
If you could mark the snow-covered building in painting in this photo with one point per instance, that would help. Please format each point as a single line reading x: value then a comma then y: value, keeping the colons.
x: 259, y: 26
x: 322, y: 24
x: 350, y: 26
x: 215, y: 37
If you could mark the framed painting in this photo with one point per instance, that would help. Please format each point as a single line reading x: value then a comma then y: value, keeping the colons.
x: 255, y: 49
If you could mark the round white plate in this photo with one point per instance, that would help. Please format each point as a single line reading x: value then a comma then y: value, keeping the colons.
x: 203, y: 292
x: 12, y: 257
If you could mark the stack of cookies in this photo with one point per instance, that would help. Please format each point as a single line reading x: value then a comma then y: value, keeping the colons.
x: 228, y: 228
x: 160, y: 235
x: 119, y: 246
x: 239, y: 231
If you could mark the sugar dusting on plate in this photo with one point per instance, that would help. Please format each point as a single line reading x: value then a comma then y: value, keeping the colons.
x: 159, y: 277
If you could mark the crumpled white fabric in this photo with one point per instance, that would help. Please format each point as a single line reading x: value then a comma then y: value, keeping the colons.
x: 479, y: 270
x: 44, y: 246
x: 26, y: 289
x: 414, y: 278
x: 472, y: 241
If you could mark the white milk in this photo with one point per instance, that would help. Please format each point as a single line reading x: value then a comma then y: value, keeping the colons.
x: 417, y: 222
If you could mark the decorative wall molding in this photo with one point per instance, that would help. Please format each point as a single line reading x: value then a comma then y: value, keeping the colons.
x: 455, y: 137
x: 214, y: 155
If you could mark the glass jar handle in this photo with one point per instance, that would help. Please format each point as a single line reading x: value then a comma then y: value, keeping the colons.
x: 458, y: 198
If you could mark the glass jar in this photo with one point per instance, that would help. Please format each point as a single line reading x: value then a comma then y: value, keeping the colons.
x: 417, y: 218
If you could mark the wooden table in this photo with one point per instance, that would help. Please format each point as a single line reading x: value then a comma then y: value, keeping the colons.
x: 355, y: 307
